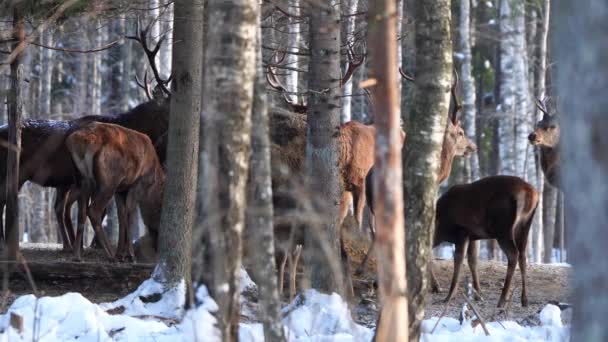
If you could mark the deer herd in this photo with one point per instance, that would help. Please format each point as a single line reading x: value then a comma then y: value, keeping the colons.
x: 94, y: 158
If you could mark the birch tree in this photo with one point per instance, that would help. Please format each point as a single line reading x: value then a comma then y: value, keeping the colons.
x: 229, y: 59
x: 388, y: 198
x: 177, y: 215
x: 579, y: 45
x: 323, y: 121
x: 468, y: 83
x: 349, y: 8
x: 506, y: 124
x: 423, y: 148
x: 259, y: 214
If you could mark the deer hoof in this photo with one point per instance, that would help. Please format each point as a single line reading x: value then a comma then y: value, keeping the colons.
x: 77, y: 259
x: 524, y: 302
x: 436, y: 288
x: 478, y: 298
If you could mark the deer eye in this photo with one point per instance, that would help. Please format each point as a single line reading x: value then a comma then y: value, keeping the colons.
x: 552, y: 127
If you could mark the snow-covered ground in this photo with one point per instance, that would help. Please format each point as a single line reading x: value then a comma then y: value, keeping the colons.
x: 145, y: 316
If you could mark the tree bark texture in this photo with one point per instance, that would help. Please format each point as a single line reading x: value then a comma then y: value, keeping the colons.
x: 468, y: 84
x: 408, y: 59
x: 423, y: 148
x: 15, y: 112
x: 579, y: 44
x: 323, y: 118
x: 388, y: 199
x: 177, y: 215
x: 228, y: 80
x: 259, y: 233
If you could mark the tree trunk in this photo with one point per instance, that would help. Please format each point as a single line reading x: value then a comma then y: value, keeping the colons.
x: 388, y: 199
x: 423, y: 148
x: 506, y: 123
x: 15, y: 112
x: 182, y: 159
x: 323, y: 245
x: 408, y: 60
x: 349, y: 8
x: 224, y: 156
x: 468, y: 84
x: 547, y: 203
x: 259, y: 229
x: 579, y: 43
x: 550, y: 195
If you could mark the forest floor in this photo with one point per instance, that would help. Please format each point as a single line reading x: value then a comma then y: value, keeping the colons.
x: 545, y: 284
x: 55, y: 273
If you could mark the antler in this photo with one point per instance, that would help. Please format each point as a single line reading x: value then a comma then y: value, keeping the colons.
x: 406, y: 76
x: 542, y: 106
x: 145, y: 85
x: 142, y: 39
x: 457, y: 106
x: 352, y: 65
x: 275, y: 83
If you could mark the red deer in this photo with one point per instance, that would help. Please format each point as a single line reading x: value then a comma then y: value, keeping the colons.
x: 499, y: 207
x: 546, y: 136
x: 116, y: 161
x: 46, y: 161
x: 357, y: 146
x: 455, y: 144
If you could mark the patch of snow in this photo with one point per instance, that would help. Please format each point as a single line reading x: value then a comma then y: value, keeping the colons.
x: 551, y: 315
x: 444, y: 251
x: 142, y: 302
x: 489, y: 4
x: 492, y: 22
x: 314, y: 316
x: 449, y: 329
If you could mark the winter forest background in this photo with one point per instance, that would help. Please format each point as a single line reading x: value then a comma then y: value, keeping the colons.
x: 260, y: 93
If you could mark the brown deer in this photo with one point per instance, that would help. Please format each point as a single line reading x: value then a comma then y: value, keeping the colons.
x: 455, y: 144
x: 46, y: 161
x: 499, y: 207
x: 116, y: 161
x: 546, y: 136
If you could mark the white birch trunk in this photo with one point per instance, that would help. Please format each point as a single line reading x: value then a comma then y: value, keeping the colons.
x: 349, y: 9
x: 166, y: 51
x: 468, y: 83
x: 507, y: 81
x: 294, y: 40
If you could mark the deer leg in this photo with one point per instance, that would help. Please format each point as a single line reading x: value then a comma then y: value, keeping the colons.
x: 359, y: 204
x: 458, y: 258
x: 60, y: 202
x: 522, y: 243
x: 131, y: 203
x: 293, y: 270
x: 344, y: 203
x: 72, y: 197
x: 282, y: 272
x: 472, y: 253
x: 95, y: 211
x: 123, y: 221
x: 82, y: 216
x: 508, y: 246
x: 348, y: 282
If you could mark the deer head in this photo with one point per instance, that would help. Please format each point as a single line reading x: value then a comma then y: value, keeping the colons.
x: 455, y: 139
x: 299, y: 106
x: 546, y: 131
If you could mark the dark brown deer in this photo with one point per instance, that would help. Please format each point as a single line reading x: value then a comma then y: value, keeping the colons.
x: 546, y: 137
x: 116, y: 161
x: 46, y: 161
x: 499, y: 207
x: 455, y: 144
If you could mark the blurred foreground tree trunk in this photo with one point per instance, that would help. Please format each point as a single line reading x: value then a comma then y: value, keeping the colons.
x: 323, y: 118
x: 388, y: 199
x: 259, y: 215
x: 228, y: 80
x: 177, y: 215
x: 423, y: 148
x: 579, y: 46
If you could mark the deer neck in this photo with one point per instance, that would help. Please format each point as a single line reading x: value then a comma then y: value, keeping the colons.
x: 445, y: 167
x: 549, y: 162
